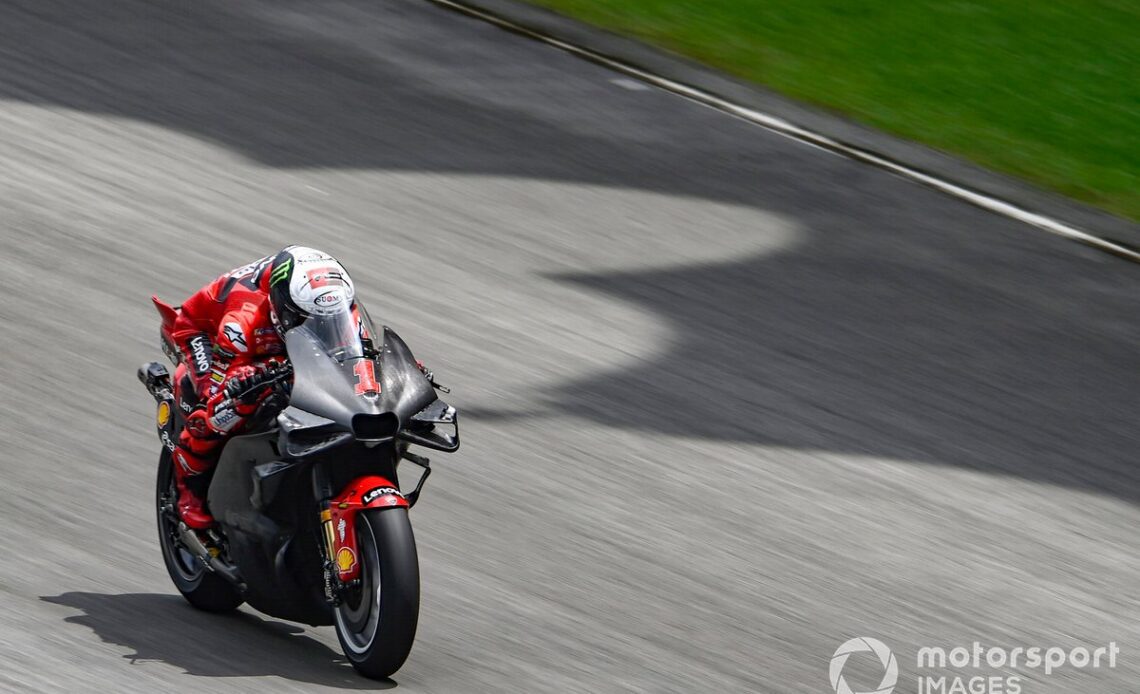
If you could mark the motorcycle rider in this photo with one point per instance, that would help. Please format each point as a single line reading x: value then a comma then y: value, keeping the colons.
x: 230, y: 334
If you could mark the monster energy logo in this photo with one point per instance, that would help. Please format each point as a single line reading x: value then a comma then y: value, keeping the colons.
x: 281, y: 272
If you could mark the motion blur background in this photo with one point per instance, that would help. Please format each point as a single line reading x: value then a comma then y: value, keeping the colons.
x: 728, y: 400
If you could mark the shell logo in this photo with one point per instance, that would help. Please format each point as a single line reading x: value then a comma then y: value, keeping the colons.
x: 163, y: 415
x: 345, y: 559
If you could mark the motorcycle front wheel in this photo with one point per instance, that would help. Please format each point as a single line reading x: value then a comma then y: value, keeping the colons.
x: 376, y: 620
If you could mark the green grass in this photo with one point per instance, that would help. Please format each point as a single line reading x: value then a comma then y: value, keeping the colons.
x: 1047, y: 90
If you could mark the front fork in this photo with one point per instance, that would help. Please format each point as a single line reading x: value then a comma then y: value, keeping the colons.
x: 338, y: 520
x: 334, y: 588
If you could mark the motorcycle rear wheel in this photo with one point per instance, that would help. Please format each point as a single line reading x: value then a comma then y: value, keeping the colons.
x: 201, y: 588
x: 376, y: 623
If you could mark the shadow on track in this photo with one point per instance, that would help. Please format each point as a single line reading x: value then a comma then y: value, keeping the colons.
x: 888, y: 358
x: 165, y: 629
x: 905, y: 326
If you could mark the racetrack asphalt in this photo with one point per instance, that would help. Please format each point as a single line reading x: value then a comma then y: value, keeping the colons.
x: 727, y: 400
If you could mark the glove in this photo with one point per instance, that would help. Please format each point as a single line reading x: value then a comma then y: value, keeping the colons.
x: 244, y: 388
x: 247, y: 388
x: 222, y: 413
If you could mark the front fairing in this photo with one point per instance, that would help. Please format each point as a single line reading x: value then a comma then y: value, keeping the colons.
x: 324, y: 385
x: 335, y: 400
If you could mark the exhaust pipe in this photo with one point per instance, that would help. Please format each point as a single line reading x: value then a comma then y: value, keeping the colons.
x: 190, y: 540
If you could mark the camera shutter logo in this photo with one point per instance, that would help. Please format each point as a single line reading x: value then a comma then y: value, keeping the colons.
x: 864, y: 645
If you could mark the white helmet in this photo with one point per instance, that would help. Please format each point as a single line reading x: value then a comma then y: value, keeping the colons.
x: 306, y: 282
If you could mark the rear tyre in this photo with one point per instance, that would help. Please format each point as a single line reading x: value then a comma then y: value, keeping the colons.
x: 376, y: 622
x: 201, y: 588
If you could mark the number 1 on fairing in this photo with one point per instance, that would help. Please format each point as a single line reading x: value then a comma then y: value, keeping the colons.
x: 365, y: 372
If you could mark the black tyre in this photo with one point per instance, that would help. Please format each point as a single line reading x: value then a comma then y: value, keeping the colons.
x: 201, y: 588
x: 376, y: 622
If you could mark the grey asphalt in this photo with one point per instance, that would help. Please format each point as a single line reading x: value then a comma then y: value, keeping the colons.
x: 728, y: 400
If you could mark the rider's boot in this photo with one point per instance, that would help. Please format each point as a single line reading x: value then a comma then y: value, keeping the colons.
x: 191, y: 502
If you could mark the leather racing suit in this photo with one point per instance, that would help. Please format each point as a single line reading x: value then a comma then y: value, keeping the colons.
x: 225, y: 333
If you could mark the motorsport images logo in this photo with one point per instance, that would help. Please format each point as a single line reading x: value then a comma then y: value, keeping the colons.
x: 864, y: 644
x: 1004, y: 665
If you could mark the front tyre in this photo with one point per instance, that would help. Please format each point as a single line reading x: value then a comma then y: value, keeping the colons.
x: 201, y: 588
x: 376, y: 621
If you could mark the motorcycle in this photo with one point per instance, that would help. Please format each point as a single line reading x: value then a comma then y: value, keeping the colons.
x: 312, y: 525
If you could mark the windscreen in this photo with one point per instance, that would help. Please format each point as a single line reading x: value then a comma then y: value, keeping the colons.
x: 338, y: 330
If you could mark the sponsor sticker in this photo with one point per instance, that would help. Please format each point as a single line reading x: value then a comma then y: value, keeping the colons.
x: 198, y: 352
x: 330, y: 298
x: 319, y: 278
x: 345, y: 559
x: 281, y: 272
x: 163, y: 415
x: 236, y: 336
x: 224, y: 420
x: 373, y: 494
x: 340, y: 528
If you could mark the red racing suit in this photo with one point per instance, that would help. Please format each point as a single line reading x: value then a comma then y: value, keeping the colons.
x: 224, y: 332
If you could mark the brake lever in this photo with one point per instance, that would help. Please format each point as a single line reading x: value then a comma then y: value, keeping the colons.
x: 274, y: 381
x: 430, y: 375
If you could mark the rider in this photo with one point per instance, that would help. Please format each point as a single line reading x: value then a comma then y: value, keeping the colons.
x: 230, y: 333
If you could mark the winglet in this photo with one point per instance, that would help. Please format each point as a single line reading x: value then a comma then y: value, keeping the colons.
x: 169, y: 313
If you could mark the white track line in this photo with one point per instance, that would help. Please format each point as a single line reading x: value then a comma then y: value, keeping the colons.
x: 795, y: 132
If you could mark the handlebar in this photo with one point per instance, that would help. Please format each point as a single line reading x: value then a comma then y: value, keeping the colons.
x: 258, y: 382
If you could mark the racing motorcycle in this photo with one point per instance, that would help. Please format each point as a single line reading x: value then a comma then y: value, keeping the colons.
x: 312, y: 525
